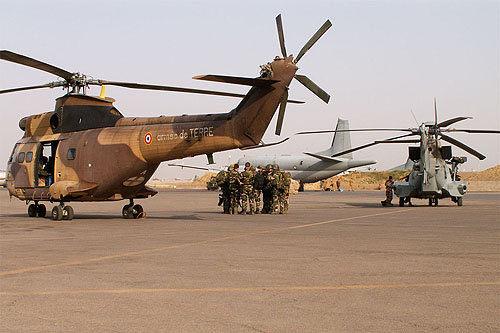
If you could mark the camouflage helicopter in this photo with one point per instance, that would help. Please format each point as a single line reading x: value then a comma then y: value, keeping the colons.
x: 86, y: 150
x: 434, y: 174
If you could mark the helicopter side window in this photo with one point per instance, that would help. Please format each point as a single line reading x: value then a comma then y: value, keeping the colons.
x: 29, y: 156
x: 20, y: 157
x: 71, y: 153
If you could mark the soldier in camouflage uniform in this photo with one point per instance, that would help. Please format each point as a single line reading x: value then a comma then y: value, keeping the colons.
x: 246, y: 190
x: 267, y: 191
x: 222, y: 180
x: 272, y: 178
x: 234, y: 187
x: 278, y: 193
x: 388, y: 192
x: 258, y: 186
x: 287, y: 181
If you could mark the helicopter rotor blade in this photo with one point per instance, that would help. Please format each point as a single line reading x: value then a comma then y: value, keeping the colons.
x: 478, y: 131
x: 448, y: 122
x: 163, y: 88
x: 360, y: 130
x: 398, y: 141
x: 262, y: 144
x: 313, y: 87
x: 281, y: 114
x: 463, y: 146
x: 30, y: 62
x: 435, y: 120
x: 47, y: 85
x: 281, y: 36
x: 370, y: 144
x: 435, y: 113
x: 313, y: 40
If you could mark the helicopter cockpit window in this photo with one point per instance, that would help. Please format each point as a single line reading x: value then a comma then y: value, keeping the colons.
x: 13, y: 155
x: 71, y: 153
x: 29, y: 157
x: 20, y: 157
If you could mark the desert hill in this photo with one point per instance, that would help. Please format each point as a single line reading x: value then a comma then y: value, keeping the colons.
x: 487, y: 180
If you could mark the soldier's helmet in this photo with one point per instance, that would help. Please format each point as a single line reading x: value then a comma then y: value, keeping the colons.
x: 230, y: 167
x: 252, y: 168
x: 247, y: 164
x: 262, y: 167
x: 236, y: 166
x: 269, y: 167
x: 276, y: 167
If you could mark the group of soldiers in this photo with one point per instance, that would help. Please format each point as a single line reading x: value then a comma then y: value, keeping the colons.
x: 244, y: 189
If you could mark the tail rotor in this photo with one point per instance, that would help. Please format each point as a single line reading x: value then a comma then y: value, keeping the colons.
x: 304, y: 80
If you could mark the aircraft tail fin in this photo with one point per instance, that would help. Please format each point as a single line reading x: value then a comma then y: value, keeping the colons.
x: 341, y: 141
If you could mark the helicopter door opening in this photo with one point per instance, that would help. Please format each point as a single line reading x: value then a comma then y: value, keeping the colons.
x: 44, y: 170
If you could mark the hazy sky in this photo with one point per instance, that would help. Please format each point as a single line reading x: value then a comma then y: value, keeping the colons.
x: 380, y: 60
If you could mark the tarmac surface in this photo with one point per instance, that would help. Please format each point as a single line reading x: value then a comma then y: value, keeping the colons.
x: 338, y: 262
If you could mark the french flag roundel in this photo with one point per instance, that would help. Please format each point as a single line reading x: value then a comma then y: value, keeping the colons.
x: 148, y: 138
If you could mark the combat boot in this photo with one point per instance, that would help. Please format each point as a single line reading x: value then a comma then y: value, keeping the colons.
x: 257, y: 211
x: 250, y: 212
x: 242, y: 212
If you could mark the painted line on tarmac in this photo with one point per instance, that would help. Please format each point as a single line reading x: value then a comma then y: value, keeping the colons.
x: 249, y: 289
x: 147, y: 251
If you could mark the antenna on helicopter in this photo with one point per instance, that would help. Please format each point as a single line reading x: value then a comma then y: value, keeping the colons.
x: 416, y: 121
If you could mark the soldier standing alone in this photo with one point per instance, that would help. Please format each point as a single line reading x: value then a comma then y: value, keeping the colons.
x: 388, y: 192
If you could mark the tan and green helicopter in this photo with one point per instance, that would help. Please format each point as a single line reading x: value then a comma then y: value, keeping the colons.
x: 86, y: 150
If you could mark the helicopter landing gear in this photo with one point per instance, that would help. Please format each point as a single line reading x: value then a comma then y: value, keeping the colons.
x: 459, y: 201
x: 32, y: 210
x: 41, y: 210
x: 61, y: 212
x: 433, y: 201
x: 132, y: 211
x: 401, y: 202
x: 37, y: 209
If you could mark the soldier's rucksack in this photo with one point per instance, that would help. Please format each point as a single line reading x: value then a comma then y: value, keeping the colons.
x: 287, y: 179
x: 259, y: 181
x: 222, y: 178
x: 279, y: 180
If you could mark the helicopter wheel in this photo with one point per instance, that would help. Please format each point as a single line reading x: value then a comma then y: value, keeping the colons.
x: 436, y: 201
x: 41, y: 210
x: 32, y: 210
x: 430, y: 201
x: 68, y: 213
x: 401, y: 202
x: 459, y: 201
x: 138, y: 212
x: 128, y: 212
x: 57, y: 213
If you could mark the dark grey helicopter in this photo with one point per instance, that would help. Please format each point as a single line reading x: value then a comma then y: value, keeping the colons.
x: 434, y: 174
